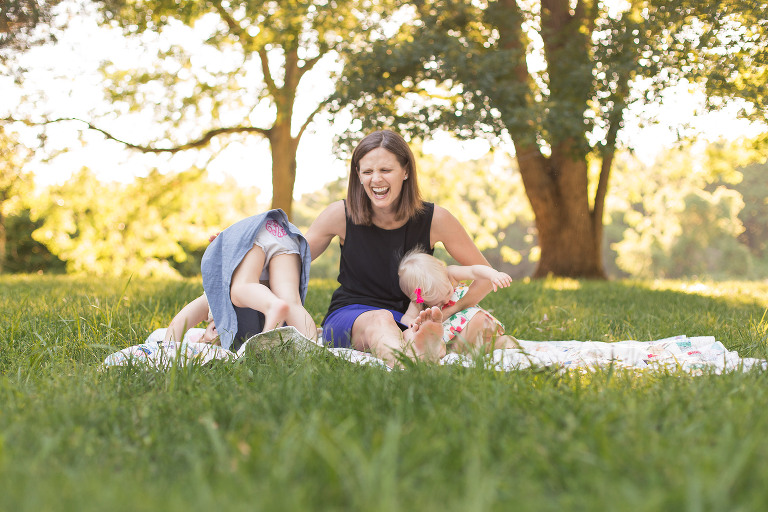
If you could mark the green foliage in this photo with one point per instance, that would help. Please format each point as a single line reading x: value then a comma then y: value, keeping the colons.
x: 14, y: 185
x: 487, y: 196
x: 23, y: 253
x: 751, y: 181
x: 244, y: 35
x: 692, y: 235
x: 753, y: 188
x: 556, y: 78
x: 110, y: 229
x: 24, y: 23
x: 683, y: 216
x: 262, y: 50
x: 461, y: 65
x: 279, y: 431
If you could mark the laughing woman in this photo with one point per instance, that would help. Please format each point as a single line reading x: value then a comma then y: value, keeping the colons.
x: 383, y: 218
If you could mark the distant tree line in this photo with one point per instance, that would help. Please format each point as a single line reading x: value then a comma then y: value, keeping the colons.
x: 683, y: 216
x: 554, y: 78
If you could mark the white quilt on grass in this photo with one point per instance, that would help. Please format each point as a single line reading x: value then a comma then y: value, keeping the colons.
x: 694, y: 355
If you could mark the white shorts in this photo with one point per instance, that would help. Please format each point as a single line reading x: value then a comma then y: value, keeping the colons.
x: 274, y: 240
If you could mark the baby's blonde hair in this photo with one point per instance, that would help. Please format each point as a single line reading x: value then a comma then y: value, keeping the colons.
x: 420, y: 270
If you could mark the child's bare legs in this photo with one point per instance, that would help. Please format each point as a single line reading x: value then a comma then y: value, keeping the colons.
x: 247, y: 292
x: 483, y: 332
x: 506, y: 341
x: 284, y: 277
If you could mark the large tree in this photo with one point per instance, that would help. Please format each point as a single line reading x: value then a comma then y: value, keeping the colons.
x: 241, y: 80
x: 556, y: 78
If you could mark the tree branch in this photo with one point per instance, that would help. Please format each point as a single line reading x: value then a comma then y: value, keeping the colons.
x: 309, y: 119
x: 608, y: 152
x: 309, y: 64
x: 267, y: 73
x: 231, y: 23
x: 198, y: 143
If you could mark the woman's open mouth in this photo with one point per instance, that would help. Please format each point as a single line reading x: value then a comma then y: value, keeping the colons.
x: 380, y: 192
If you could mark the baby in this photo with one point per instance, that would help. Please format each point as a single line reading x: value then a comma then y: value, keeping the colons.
x: 428, y: 282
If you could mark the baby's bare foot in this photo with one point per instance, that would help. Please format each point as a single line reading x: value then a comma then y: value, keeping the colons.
x: 276, y: 314
x: 426, y: 335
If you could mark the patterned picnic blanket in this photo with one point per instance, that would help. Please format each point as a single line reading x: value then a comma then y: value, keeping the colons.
x: 694, y: 355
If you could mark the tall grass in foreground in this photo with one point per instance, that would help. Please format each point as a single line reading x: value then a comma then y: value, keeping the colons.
x: 282, y: 431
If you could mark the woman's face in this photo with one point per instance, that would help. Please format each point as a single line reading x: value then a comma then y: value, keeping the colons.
x: 382, y: 178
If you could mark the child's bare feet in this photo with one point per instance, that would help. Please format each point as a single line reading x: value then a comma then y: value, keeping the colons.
x: 425, y: 337
x: 276, y: 314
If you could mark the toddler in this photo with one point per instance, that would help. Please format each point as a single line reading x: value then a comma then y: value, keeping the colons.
x: 261, y: 249
x: 428, y: 282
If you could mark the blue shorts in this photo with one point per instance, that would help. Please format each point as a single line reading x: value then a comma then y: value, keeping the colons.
x: 337, y: 327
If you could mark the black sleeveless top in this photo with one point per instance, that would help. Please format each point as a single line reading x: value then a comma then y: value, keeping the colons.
x: 369, y: 259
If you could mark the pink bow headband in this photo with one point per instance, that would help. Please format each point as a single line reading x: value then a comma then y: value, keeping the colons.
x: 419, y: 298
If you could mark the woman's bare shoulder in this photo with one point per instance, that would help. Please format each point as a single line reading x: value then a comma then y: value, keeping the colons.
x: 332, y: 221
x: 334, y: 212
x: 443, y: 223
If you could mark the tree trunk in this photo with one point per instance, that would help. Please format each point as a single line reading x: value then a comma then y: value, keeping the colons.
x: 283, y: 148
x: 556, y: 187
x: 570, y: 247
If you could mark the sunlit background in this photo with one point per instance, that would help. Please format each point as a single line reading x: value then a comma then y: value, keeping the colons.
x: 64, y: 80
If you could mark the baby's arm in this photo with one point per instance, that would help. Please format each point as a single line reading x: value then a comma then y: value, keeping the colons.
x: 474, y: 272
x: 411, y: 313
x: 484, y: 279
x: 191, y: 315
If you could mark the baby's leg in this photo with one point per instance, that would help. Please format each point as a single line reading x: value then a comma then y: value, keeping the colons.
x: 481, y: 332
x: 506, y: 341
x: 284, y: 281
x: 247, y: 292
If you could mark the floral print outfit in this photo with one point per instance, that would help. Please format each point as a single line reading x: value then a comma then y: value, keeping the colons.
x: 458, y: 321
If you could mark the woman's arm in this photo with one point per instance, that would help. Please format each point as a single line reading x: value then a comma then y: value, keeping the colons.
x: 330, y: 223
x: 191, y: 315
x: 411, y: 313
x: 448, y: 230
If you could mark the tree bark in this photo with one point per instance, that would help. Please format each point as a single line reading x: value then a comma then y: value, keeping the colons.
x: 283, y: 148
x: 568, y: 239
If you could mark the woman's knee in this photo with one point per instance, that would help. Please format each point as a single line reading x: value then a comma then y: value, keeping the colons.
x: 373, y: 322
x: 379, y: 318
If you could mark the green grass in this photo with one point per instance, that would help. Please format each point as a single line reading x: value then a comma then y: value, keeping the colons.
x: 282, y: 431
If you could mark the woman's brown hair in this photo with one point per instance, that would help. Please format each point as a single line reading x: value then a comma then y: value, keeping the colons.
x: 358, y: 204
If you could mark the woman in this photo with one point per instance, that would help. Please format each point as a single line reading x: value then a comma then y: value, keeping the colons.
x: 383, y: 218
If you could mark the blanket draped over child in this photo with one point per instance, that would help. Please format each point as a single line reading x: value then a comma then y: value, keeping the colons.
x: 225, y: 253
